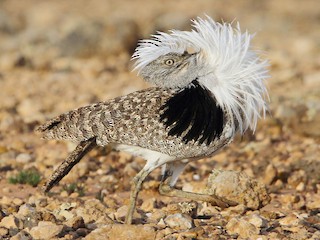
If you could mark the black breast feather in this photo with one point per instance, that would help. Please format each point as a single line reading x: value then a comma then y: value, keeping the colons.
x: 195, y: 112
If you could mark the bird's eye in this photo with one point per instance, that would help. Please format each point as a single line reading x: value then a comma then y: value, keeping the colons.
x: 169, y: 62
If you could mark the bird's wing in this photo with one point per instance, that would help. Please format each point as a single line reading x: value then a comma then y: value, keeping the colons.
x: 127, y: 119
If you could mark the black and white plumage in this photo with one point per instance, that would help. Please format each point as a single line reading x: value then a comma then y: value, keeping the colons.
x: 209, y: 87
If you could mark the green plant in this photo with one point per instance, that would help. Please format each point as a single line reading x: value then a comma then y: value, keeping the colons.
x: 31, y: 177
x: 74, y: 187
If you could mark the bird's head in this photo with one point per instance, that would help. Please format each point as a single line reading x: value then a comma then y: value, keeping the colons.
x: 219, y: 57
x: 173, y: 70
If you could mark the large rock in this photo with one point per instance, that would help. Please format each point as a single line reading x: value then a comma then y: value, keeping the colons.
x: 238, y: 187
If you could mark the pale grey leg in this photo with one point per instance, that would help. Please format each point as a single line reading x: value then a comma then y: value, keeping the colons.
x: 135, y: 189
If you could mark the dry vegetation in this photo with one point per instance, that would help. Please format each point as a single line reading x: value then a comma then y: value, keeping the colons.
x: 59, y: 55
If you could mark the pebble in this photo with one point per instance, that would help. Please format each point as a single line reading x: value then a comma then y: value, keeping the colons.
x: 47, y: 229
x: 10, y: 222
x: 17, y: 201
x: 66, y: 214
x: 257, y: 220
x: 24, y: 158
x: 244, y: 228
x: 313, y: 202
x: 123, y: 232
x: 179, y: 221
x: 296, y: 178
x: 161, y: 224
x: 93, y: 211
x: 6, y: 201
x: 301, y: 187
x: 121, y: 213
x: 270, y: 174
x: 3, y: 231
x: 26, y: 209
x: 148, y: 205
x: 41, y: 202
x: 290, y: 220
x: 22, y: 235
x: 75, y: 222
x: 157, y: 215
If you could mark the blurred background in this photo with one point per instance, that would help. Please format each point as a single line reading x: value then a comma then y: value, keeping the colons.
x: 59, y: 55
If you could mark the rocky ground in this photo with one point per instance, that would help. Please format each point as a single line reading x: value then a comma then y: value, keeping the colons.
x: 59, y: 55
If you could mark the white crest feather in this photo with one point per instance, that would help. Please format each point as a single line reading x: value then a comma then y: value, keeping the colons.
x: 235, y: 74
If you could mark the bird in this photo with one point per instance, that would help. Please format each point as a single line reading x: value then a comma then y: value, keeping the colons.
x: 209, y: 85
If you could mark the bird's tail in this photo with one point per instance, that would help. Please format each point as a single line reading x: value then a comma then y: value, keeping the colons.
x: 74, y: 125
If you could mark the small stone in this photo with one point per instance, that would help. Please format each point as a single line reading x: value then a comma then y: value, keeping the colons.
x: 206, y: 209
x: 161, y: 224
x: 290, y: 220
x: 74, y: 195
x: 313, y: 202
x: 47, y: 229
x: 9, y: 222
x: 296, y: 178
x: 6, y: 201
x: 66, y: 214
x: 179, y: 221
x: 82, y: 232
x: 301, y: 187
x: 315, y: 236
x: 242, y: 227
x: 257, y: 221
x: 23, y: 158
x: 41, y: 202
x: 156, y: 215
x: 68, y: 206
x: 17, y: 201
x: 93, y: 211
x: 26, y: 209
x: 270, y: 174
x: 123, y: 232
x: 3, y: 231
x: 238, y: 209
x: 22, y: 235
x: 48, y: 216
x: 122, y: 211
x: 75, y: 222
x: 279, y: 184
x: 148, y: 205
x: 64, y: 194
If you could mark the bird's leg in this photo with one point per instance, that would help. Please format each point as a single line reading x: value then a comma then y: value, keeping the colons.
x: 166, y: 188
x: 82, y: 149
x: 135, y: 188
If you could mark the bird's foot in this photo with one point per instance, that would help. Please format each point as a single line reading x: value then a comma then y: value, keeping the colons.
x: 167, y: 190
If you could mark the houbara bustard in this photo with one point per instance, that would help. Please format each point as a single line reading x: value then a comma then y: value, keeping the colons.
x: 210, y: 85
